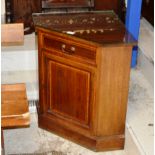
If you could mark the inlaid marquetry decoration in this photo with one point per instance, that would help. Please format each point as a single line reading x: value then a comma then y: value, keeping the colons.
x: 79, y: 20
x: 90, y: 26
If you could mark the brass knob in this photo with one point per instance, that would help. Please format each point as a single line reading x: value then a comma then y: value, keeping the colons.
x: 63, y: 46
x: 72, y: 49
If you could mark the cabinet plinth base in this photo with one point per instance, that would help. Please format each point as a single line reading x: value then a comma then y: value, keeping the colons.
x: 107, y: 143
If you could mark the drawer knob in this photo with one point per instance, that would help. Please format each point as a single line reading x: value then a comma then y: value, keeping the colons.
x: 63, y: 46
x: 73, y: 49
x: 67, y: 50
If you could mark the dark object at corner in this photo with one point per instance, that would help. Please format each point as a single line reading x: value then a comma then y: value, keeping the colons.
x: 19, y: 11
x: 148, y: 10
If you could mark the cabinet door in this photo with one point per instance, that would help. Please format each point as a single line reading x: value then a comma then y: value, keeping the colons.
x: 69, y: 90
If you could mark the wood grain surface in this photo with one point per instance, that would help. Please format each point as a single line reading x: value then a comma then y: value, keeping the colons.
x: 15, y: 112
x: 12, y: 34
x: 83, y: 97
x: 103, y: 27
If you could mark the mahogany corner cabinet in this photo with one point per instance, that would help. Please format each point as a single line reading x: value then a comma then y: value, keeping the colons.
x: 84, y: 69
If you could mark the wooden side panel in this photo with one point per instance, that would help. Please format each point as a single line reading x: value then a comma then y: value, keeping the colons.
x: 113, y: 91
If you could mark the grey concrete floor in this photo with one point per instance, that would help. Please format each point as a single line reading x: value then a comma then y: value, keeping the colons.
x: 139, y: 118
x: 140, y: 113
x: 36, y: 140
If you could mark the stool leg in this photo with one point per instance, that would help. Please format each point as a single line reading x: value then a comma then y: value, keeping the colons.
x: 2, y: 143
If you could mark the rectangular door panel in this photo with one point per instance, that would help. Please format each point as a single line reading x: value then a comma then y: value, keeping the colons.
x: 69, y: 91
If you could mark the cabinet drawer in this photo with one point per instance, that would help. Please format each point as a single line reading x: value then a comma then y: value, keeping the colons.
x: 69, y: 47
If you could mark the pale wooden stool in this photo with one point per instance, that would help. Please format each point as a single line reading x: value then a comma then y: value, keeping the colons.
x: 14, y: 108
x: 12, y: 34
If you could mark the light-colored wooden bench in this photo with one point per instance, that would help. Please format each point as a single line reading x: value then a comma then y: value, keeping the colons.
x: 12, y: 34
x: 14, y: 107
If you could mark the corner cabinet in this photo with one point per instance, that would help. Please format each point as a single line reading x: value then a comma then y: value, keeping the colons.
x: 83, y: 85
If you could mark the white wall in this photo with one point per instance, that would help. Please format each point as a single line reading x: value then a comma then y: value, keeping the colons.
x: 2, y: 11
x: 126, y: 2
x: 2, y: 7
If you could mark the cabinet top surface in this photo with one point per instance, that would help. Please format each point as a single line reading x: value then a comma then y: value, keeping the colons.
x: 103, y: 27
